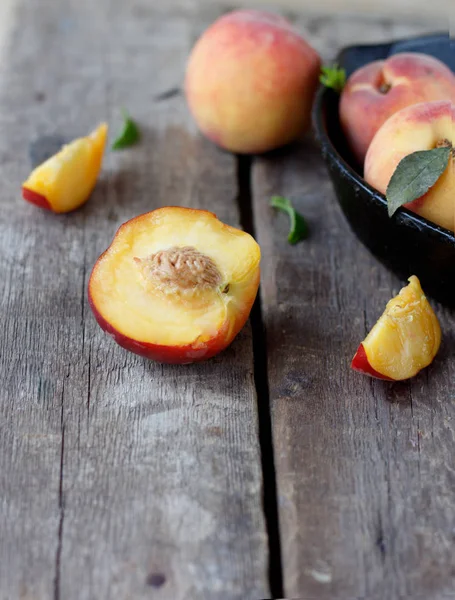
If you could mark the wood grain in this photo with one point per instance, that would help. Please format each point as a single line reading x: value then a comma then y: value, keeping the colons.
x: 403, y: 10
x: 119, y: 478
x: 365, y: 475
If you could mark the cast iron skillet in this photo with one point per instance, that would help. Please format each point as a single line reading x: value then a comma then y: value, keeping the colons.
x: 406, y: 243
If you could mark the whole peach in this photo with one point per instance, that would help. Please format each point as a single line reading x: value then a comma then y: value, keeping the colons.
x: 376, y: 91
x: 250, y: 82
x: 419, y: 127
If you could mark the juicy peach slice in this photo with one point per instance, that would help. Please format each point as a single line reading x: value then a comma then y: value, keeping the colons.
x: 404, y: 340
x: 176, y: 285
x: 65, y: 181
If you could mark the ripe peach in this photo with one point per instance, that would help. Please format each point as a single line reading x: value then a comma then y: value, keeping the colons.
x: 65, y: 181
x: 376, y: 91
x: 419, y: 127
x: 176, y: 285
x: 250, y: 82
x: 405, y: 339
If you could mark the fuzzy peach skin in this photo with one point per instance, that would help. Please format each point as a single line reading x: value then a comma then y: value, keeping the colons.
x: 405, y: 339
x: 250, y: 82
x: 418, y: 127
x: 65, y: 181
x: 376, y: 91
x: 176, y: 285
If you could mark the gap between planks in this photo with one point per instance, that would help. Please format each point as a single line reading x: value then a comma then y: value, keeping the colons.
x: 270, y: 495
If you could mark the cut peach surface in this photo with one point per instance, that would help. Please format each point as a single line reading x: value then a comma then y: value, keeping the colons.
x: 176, y: 285
x: 65, y: 181
x: 405, y: 339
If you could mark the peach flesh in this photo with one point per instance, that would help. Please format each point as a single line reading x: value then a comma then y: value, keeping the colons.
x: 176, y: 285
x: 65, y: 181
x: 405, y: 339
x: 361, y: 364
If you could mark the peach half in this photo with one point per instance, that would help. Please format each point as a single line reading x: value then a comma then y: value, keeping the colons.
x: 405, y: 339
x: 419, y: 127
x: 381, y: 88
x: 176, y: 285
x: 65, y: 181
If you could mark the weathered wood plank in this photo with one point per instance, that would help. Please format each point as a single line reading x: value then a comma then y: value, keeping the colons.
x: 402, y: 10
x: 119, y: 478
x: 364, y: 469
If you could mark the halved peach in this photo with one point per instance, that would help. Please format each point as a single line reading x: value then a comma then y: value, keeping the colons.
x: 405, y: 339
x: 65, y: 181
x: 176, y: 285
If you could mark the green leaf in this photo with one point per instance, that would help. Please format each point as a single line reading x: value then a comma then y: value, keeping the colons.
x: 333, y: 77
x: 298, y: 226
x: 130, y: 134
x: 415, y: 175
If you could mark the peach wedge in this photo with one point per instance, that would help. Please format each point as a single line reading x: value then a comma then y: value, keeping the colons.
x: 65, y: 181
x: 176, y: 285
x: 405, y: 339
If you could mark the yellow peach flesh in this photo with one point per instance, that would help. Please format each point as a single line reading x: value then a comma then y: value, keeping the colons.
x: 140, y: 309
x: 407, y: 336
x: 66, y: 179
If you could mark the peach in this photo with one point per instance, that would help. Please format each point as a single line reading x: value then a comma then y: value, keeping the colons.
x: 405, y: 339
x: 65, y: 181
x: 376, y: 91
x: 250, y: 82
x: 419, y: 127
x: 176, y: 285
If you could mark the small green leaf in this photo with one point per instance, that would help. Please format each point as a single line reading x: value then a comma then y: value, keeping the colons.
x: 130, y: 134
x: 333, y: 77
x: 298, y: 226
x: 415, y: 175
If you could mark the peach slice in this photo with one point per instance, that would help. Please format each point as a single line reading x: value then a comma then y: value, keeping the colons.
x: 65, y: 181
x: 404, y: 340
x: 176, y: 285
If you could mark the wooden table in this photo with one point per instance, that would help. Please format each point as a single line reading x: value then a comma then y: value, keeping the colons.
x: 272, y: 470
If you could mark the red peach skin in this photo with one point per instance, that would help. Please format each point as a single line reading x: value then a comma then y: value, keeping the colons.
x: 419, y: 127
x: 35, y: 198
x: 250, y: 82
x: 177, y: 355
x: 360, y: 363
x: 376, y: 91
